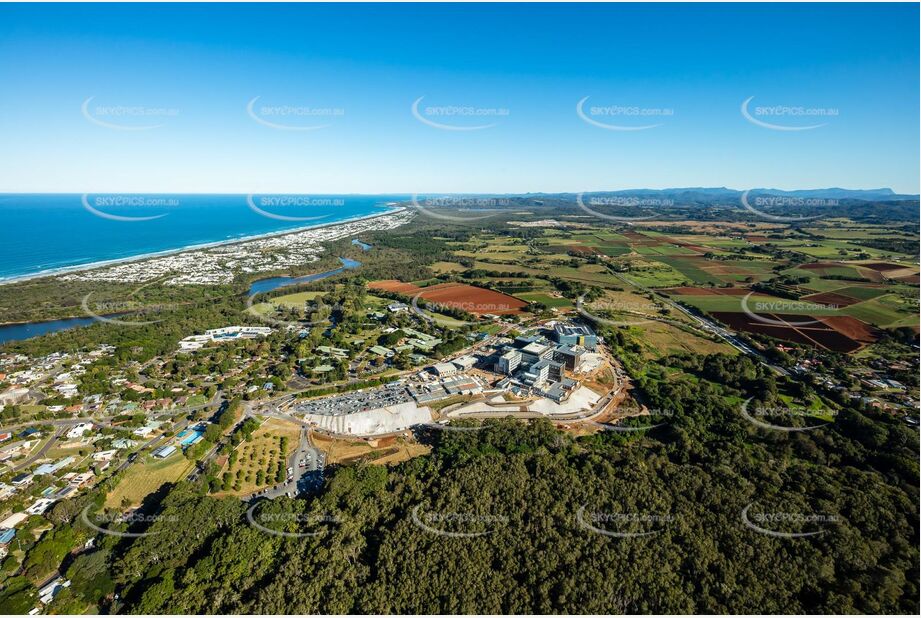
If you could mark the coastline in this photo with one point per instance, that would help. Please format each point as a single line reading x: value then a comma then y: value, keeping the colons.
x: 392, y: 208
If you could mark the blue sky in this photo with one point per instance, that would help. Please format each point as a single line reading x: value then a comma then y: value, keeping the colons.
x: 81, y: 83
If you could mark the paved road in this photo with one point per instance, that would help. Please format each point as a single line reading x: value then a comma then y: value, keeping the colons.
x: 303, y: 478
x: 105, y: 420
x: 287, y: 399
x: 709, y: 326
x: 41, y: 452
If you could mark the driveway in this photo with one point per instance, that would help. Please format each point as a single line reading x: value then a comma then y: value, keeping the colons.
x: 303, y: 478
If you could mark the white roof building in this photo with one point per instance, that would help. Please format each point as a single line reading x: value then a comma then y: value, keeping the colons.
x: 40, y: 506
x: 444, y: 369
x: 79, y: 429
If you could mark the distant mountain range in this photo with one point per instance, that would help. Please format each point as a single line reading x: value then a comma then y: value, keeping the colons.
x: 874, y: 205
x: 696, y: 194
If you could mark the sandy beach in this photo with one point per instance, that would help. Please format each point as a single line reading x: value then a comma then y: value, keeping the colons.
x: 392, y: 208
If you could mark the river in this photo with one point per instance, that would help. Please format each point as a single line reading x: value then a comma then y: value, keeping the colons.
x: 27, y: 330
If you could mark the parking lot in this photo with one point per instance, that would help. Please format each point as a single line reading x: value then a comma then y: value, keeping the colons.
x: 359, y: 401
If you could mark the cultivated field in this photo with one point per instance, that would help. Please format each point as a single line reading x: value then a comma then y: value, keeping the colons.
x: 838, y: 333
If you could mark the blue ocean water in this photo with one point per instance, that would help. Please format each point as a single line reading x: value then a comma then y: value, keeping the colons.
x: 47, y: 233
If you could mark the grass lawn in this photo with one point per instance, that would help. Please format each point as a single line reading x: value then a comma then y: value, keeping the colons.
x: 146, y: 476
x: 492, y: 328
x: 196, y: 400
x: 78, y: 453
x: 546, y: 299
x: 443, y: 320
x: 447, y: 267
x: 297, y: 300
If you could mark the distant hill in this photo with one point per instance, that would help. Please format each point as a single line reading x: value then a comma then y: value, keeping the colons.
x: 870, y: 205
x: 717, y: 193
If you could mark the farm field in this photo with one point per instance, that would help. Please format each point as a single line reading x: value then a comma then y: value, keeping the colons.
x: 472, y: 299
x: 886, y: 311
x: 845, y: 286
x: 838, y: 333
x: 550, y: 301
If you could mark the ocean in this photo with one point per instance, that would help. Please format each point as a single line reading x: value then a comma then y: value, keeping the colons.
x: 44, y: 234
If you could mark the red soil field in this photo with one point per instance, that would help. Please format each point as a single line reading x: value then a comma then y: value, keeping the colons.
x: 831, y: 298
x: 719, y: 268
x: 851, y: 327
x: 881, y: 266
x: 641, y: 239
x: 473, y: 299
x: 818, y: 266
x: 393, y: 285
x: 681, y: 243
x: 836, y: 333
x: 872, y: 275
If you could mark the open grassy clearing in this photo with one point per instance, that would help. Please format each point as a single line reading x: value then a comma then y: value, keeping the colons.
x: 660, y: 339
x: 546, y: 299
x: 447, y: 267
x: 296, y: 300
x: 146, y: 476
x: 387, y: 451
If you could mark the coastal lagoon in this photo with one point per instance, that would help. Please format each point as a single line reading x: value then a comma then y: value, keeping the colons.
x: 27, y: 330
x: 45, y: 234
x: 273, y: 283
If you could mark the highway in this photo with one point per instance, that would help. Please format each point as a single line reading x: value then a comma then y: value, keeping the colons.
x: 707, y: 325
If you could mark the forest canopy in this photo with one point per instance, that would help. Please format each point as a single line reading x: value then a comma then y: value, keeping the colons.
x: 523, y: 518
